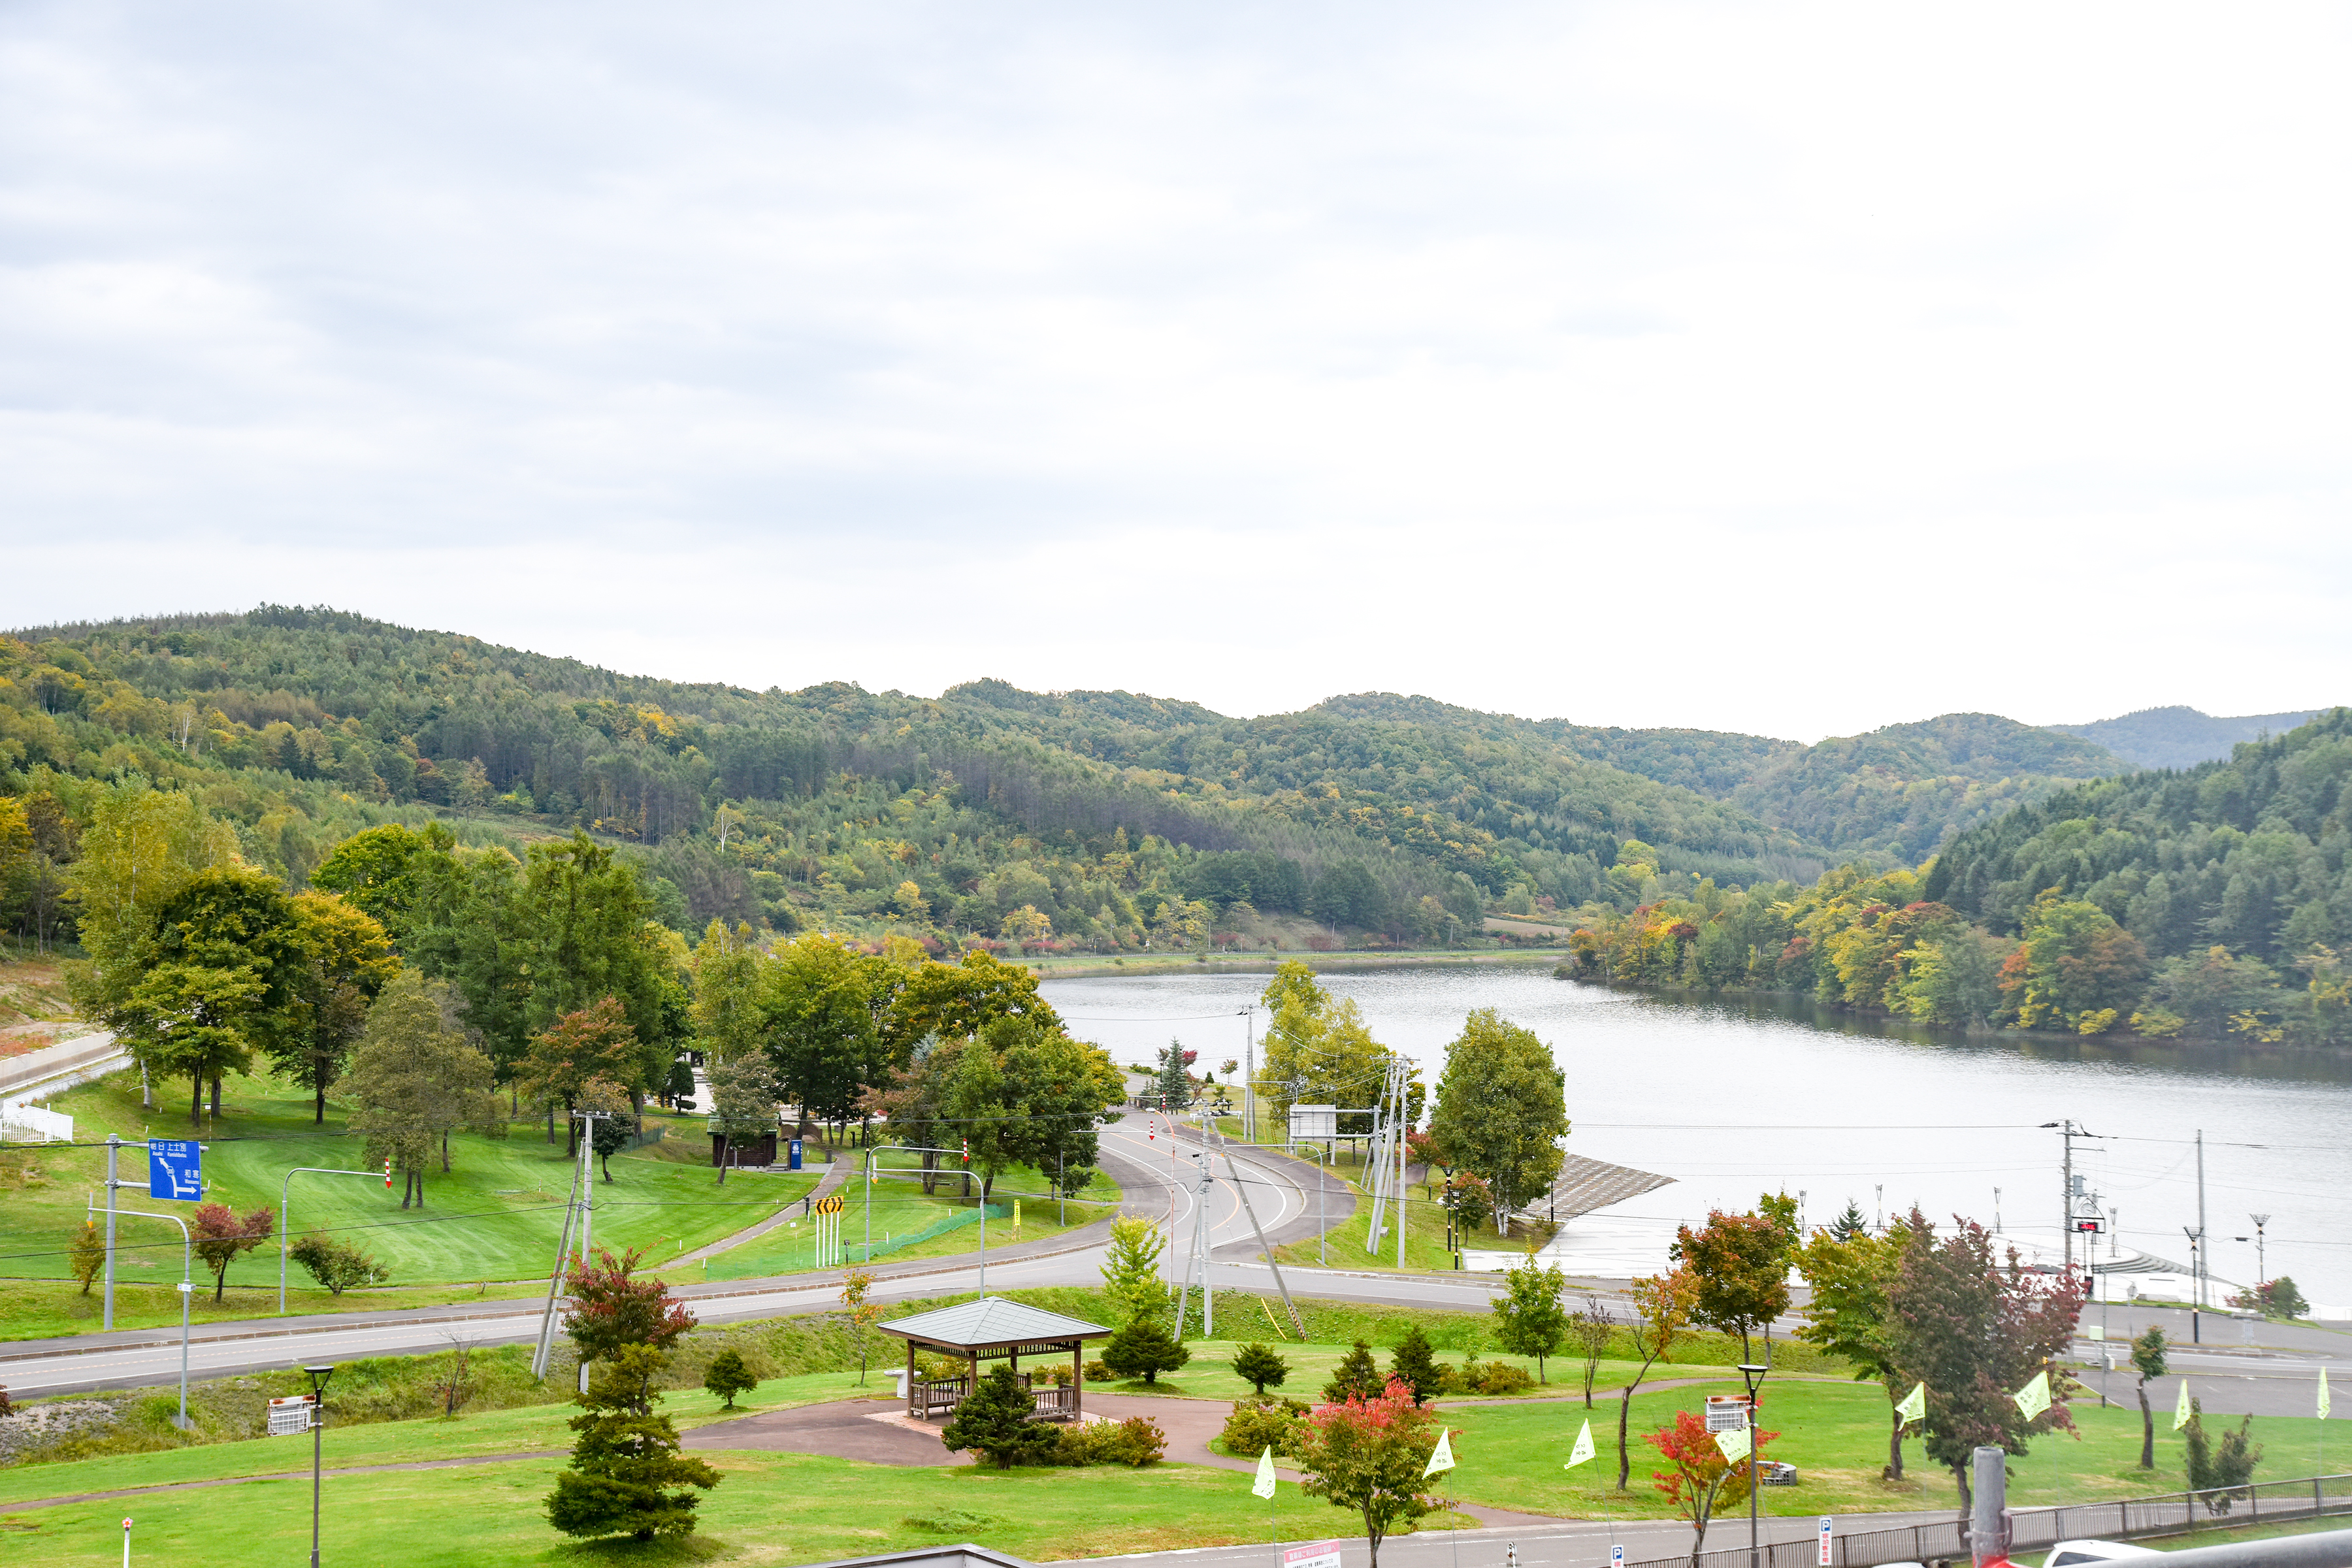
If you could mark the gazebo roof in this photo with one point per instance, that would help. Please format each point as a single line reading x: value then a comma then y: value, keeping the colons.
x: 992, y: 1320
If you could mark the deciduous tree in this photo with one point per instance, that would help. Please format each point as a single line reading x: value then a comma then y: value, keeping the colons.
x: 218, y: 1234
x: 2148, y: 1361
x: 612, y: 1309
x: 1501, y: 1108
x: 1849, y: 1313
x: 1533, y: 1321
x: 414, y: 1078
x: 1739, y: 1263
x: 1661, y: 1304
x: 1368, y: 1455
x: 1701, y: 1478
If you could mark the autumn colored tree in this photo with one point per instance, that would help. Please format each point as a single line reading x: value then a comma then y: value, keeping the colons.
x: 1739, y: 1264
x: 1975, y: 1331
x: 217, y: 1234
x: 1701, y: 1479
x: 592, y: 1042
x: 612, y: 1309
x: 1848, y: 1314
x: 1662, y: 1307
x: 88, y: 1257
x: 1368, y: 1455
x: 862, y: 1310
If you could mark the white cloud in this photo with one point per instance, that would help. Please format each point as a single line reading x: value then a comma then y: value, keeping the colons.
x: 1795, y: 368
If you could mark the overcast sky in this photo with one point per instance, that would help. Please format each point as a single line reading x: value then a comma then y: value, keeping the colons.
x: 1777, y: 368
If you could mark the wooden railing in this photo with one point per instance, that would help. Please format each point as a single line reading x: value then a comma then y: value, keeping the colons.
x: 1055, y: 1401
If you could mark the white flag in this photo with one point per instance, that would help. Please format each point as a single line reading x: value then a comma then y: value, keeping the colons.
x: 1263, y: 1486
x: 2323, y: 1393
x: 2180, y: 1412
x: 1914, y: 1407
x: 1734, y: 1444
x: 1583, y: 1450
x: 1441, y: 1458
x: 2034, y: 1397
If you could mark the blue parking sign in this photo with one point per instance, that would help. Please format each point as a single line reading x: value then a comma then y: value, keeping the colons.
x: 175, y: 1169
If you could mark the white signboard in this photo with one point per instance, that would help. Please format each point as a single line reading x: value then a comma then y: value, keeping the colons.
x: 1320, y: 1554
x: 1310, y: 1122
x: 1727, y: 1411
x: 289, y: 1416
x: 1823, y: 1561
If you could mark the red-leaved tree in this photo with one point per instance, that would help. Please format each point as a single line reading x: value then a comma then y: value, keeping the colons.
x: 1368, y: 1455
x: 217, y: 1235
x: 611, y: 1307
x: 1701, y: 1480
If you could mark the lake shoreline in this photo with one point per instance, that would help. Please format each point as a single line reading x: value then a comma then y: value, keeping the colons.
x: 1265, y: 964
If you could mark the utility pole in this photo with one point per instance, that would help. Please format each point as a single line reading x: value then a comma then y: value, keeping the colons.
x: 113, y: 1151
x: 2201, y: 1265
x: 2066, y: 1202
x: 1249, y: 1079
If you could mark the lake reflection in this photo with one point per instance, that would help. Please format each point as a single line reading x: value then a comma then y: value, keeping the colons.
x: 1732, y: 1096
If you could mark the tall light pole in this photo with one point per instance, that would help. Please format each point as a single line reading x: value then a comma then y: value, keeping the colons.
x: 1754, y: 1378
x: 318, y: 1375
x: 2262, y: 1265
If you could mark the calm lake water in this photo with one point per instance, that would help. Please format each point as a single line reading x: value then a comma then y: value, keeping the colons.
x: 1732, y: 1099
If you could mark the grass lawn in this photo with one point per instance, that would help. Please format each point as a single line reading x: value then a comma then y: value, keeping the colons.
x: 494, y: 1216
x: 1835, y: 1434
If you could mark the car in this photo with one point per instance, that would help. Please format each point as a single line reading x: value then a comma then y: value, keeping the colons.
x: 2071, y: 1552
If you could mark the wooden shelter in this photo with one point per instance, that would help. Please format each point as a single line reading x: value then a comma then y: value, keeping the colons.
x: 986, y: 1330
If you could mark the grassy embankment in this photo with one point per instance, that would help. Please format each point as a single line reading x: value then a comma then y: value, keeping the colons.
x: 494, y: 1217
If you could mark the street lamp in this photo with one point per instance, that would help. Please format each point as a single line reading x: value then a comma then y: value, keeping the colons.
x: 2262, y: 1266
x: 318, y: 1375
x: 1753, y: 1376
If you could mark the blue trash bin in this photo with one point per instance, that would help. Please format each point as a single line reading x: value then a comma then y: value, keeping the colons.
x: 796, y: 1154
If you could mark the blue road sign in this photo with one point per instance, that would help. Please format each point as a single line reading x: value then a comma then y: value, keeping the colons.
x: 175, y: 1169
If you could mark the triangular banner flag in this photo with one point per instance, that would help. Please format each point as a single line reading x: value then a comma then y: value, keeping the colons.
x: 1442, y: 1456
x: 2180, y: 1412
x: 1914, y: 1407
x: 1263, y: 1486
x: 1734, y: 1444
x: 1583, y: 1450
x: 2034, y: 1397
x: 2323, y: 1393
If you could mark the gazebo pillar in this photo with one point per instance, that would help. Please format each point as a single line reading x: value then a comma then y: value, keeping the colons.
x: 914, y: 1400
x: 1077, y: 1381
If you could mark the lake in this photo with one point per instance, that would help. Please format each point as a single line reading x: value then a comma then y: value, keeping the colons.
x: 1735, y: 1097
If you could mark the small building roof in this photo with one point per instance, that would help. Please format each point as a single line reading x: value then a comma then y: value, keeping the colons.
x: 992, y: 1321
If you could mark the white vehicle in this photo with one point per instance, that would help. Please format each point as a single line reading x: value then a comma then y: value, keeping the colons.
x: 2072, y: 1552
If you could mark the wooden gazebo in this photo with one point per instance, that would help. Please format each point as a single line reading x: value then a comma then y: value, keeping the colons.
x: 983, y: 1331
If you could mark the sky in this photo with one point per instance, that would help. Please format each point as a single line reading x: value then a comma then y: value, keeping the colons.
x: 1779, y: 368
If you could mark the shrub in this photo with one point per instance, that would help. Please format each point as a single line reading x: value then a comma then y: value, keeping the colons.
x: 1136, y: 1441
x: 1502, y: 1377
x: 336, y: 1265
x: 1099, y: 1372
x: 1143, y: 1349
x: 938, y: 1368
x: 1257, y: 1365
x: 1257, y: 1425
x: 728, y: 1377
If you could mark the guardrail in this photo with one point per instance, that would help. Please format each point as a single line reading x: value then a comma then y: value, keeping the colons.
x: 2032, y: 1529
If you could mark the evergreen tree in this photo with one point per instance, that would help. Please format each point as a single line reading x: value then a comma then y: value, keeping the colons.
x: 1175, y: 1083
x: 1260, y: 1367
x: 1357, y: 1376
x: 1415, y: 1365
x: 626, y: 1458
x: 728, y: 1377
x: 1144, y: 1348
x: 996, y: 1421
x: 1850, y: 1224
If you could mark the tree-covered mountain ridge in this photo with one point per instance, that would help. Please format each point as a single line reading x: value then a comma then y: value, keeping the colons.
x: 836, y: 803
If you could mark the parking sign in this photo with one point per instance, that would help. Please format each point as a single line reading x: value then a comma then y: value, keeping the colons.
x: 175, y: 1169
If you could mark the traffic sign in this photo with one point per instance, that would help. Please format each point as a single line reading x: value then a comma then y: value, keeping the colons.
x: 1616, y: 1557
x: 827, y: 1205
x: 1823, y: 1561
x: 175, y: 1169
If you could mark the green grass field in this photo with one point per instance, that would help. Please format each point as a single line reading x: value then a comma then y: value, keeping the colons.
x: 780, y: 1508
x: 496, y: 1215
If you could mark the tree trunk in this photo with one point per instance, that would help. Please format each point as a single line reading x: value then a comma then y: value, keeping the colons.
x: 1894, y: 1471
x: 196, y: 1098
x: 319, y: 1110
x: 1624, y: 1412
x: 724, y: 1141
x: 216, y: 1097
x: 1743, y: 1344
x: 2147, y: 1430
x: 1960, y: 1471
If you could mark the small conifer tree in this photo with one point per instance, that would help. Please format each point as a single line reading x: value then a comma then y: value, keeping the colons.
x: 1415, y: 1365
x: 1144, y: 1348
x: 626, y: 1458
x: 1257, y: 1365
x: 1358, y: 1377
x: 995, y: 1421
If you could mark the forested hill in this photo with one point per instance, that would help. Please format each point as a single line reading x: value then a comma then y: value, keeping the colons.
x: 2254, y: 854
x: 1399, y: 816
x: 2182, y: 737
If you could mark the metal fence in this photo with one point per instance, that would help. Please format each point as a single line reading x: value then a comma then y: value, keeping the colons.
x: 2032, y: 1529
